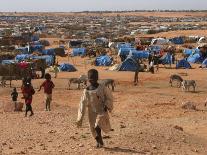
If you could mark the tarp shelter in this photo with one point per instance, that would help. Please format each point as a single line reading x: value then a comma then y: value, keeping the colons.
x: 159, y: 41
x: 36, y: 48
x: 103, y: 61
x: 189, y: 52
x: 155, y: 49
x: 50, y: 51
x: 5, y: 62
x: 125, y: 51
x: 204, y: 63
x: 65, y: 67
x: 48, y: 59
x: 124, y: 45
x: 139, y: 54
x: 101, y: 41
x: 183, y: 64
x: 129, y: 64
x: 22, y: 57
x: 177, y: 40
x: 23, y: 50
x: 79, y: 52
x: 35, y: 38
x: 60, y: 51
x: 166, y: 59
x: 196, y: 57
x: 75, y: 43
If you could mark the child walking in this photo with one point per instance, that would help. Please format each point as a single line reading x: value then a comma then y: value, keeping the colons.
x: 48, y: 86
x: 14, y: 96
x: 99, y: 101
x: 28, y: 91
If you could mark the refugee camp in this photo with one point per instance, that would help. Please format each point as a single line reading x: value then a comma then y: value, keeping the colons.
x: 99, y: 77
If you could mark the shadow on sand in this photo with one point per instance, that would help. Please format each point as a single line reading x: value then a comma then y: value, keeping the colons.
x: 123, y: 150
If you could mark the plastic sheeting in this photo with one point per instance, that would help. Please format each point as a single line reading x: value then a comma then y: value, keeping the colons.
x: 103, y: 61
x: 129, y: 64
x: 79, y: 52
x: 183, y: 64
x: 139, y: 54
x: 65, y: 67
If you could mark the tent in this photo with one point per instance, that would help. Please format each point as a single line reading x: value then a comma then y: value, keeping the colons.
x: 139, y: 54
x: 23, y: 50
x: 5, y: 62
x: 125, y: 51
x: 35, y: 38
x: 166, y: 59
x: 104, y: 60
x: 195, y: 58
x: 22, y: 57
x: 129, y: 64
x: 60, y: 51
x: 65, y: 67
x: 50, y: 51
x: 159, y: 41
x: 124, y: 45
x: 155, y: 49
x: 37, y: 48
x: 48, y: 59
x: 183, y: 64
x: 204, y: 63
x: 79, y: 52
x: 177, y: 40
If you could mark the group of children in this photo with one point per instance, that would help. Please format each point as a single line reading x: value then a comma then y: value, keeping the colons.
x: 96, y: 97
x: 28, y: 92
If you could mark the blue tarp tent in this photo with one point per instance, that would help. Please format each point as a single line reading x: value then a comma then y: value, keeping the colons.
x: 5, y: 62
x: 48, y: 59
x: 166, y: 59
x: 23, y: 50
x: 67, y: 67
x: 125, y: 51
x: 124, y: 45
x: 50, y: 51
x: 35, y: 38
x: 79, y: 52
x: 204, y: 63
x: 190, y: 51
x: 195, y: 58
x: 129, y: 64
x: 177, y: 40
x: 139, y: 54
x: 37, y: 48
x: 155, y: 49
x: 22, y: 57
x: 103, y: 60
x: 183, y: 64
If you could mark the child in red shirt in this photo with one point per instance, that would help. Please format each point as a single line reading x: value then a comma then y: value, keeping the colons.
x: 28, y: 91
x: 48, y: 86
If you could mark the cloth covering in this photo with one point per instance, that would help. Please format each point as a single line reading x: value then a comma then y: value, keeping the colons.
x: 96, y: 101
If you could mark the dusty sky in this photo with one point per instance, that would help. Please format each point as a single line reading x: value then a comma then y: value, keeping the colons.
x: 91, y: 5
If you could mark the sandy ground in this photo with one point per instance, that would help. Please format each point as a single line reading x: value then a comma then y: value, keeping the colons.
x: 144, y: 118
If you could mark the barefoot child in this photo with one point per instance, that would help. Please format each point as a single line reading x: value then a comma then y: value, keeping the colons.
x: 28, y: 91
x: 98, y: 99
x: 14, y: 96
x: 48, y: 86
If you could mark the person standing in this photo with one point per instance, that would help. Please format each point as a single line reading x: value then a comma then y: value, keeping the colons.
x: 28, y: 91
x: 48, y: 86
x: 99, y: 101
x: 136, y: 72
x: 14, y: 96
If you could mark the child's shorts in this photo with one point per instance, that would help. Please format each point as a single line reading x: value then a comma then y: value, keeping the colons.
x: 48, y: 97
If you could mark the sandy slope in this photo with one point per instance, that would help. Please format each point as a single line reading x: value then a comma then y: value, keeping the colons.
x: 143, y: 119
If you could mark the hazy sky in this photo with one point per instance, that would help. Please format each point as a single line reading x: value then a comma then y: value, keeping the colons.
x: 83, y: 5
